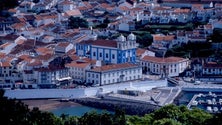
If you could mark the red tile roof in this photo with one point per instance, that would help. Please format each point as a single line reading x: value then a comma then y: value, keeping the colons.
x: 63, y: 44
x: 114, y: 67
x: 5, y: 64
x: 106, y: 43
x: 140, y: 51
x: 213, y: 65
x: 77, y: 64
x: 162, y: 60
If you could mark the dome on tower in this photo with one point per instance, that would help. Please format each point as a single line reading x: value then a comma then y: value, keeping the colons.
x: 121, y: 38
x: 131, y: 37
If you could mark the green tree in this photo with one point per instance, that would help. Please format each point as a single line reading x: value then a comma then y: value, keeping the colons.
x: 106, y: 119
x: 166, y: 121
x: 169, y: 111
x: 76, y: 22
x: 7, y: 4
x: 119, y: 117
x: 72, y: 120
x: 197, y: 117
x: 90, y: 118
x: 136, y: 120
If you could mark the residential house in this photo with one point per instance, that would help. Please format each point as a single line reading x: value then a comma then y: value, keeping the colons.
x: 47, y: 39
x: 6, y: 48
x: 44, y: 5
x: 52, y: 77
x: 105, y: 7
x: 126, y: 4
x: 109, y: 74
x: 162, y: 42
x: 40, y: 7
x: 212, y: 69
x: 120, y: 51
x: 33, y: 33
x: 181, y: 38
x: 19, y: 27
x: 77, y: 70
x: 124, y: 10
x: 66, y: 5
x: 44, y: 50
x: 135, y: 13
x: 74, y: 13
x: 9, y: 73
x: 208, y: 29
x: 181, y: 15
x: 126, y: 26
x: 165, y: 67
x: 63, y: 47
x: 46, y: 18
x: 12, y: 38
x: 197, y: 35
x: 218, y: 24
x: 85, y: 6
x: 25, y: 6
x: 140, y: 53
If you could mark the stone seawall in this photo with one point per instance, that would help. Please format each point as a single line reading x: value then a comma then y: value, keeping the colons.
x: 130, y: 108
x: 45, y: 93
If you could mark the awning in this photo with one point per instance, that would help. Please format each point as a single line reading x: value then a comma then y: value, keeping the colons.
x: 65, y: 78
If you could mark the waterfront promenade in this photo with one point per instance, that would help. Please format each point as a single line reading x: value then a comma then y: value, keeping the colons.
x: 81, y: 92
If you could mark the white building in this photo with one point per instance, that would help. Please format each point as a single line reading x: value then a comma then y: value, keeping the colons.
x: 52, y: 76
x: 63, y: 47
x: 162, y: 42
x: 9, y: 75
x: 66, y: 5
x: 77, y: 70
x: 115, y: 73
x: 121, y: 51
x: 212, y: 69
x: 166, y: 67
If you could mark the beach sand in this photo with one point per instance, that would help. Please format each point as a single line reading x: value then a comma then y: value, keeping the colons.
x: 48, y: 104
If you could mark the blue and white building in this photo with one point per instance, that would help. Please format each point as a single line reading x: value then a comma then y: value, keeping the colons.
x: 112, y: 52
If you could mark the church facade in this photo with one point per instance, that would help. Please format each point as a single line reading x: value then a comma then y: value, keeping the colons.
x: 121, y: 50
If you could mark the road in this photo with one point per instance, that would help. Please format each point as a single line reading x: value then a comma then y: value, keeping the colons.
x: 136, y: 85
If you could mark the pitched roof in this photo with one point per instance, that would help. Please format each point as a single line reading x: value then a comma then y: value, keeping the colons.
x: 74, y: 12
x: 105, y: 43
x: 163, y: 37
x: 5, y: 64
x: 63, y: 44
x: 114, y: 67
x: 212, y: 65
x: 78, y: 64
x: 10, y: 37
x: 35, y: 63
x: 163, y: 60
x: 140, y: 51
x: 44, y: 50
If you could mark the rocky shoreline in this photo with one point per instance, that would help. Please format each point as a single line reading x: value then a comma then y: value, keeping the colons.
x: 130, y: 108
